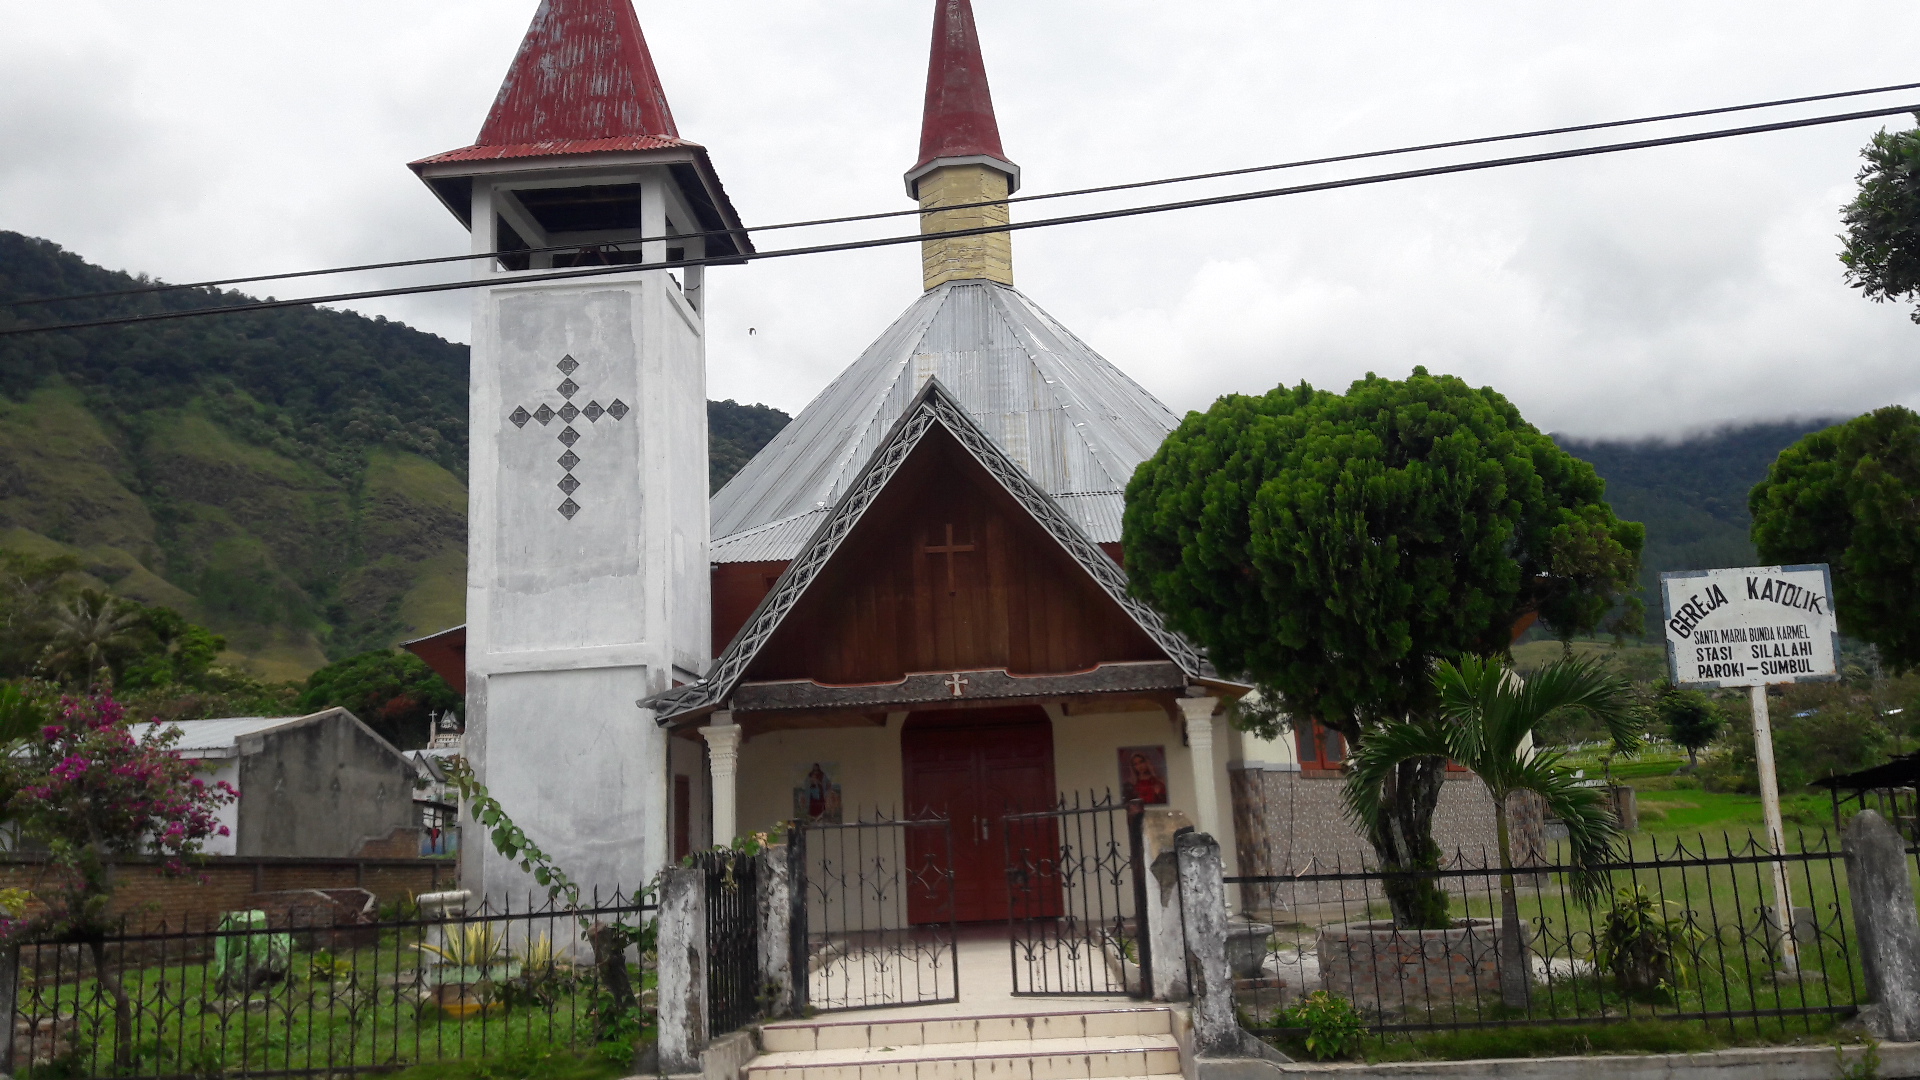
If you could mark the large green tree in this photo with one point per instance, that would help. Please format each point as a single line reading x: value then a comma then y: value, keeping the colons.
x: 1849, y: 496
x: 1882, y: 242
x: 394, y: 692
x: 1333, y: 547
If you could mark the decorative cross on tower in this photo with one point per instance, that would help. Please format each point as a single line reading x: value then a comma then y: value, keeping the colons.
x: 566, y: 413
x: 949, y: 549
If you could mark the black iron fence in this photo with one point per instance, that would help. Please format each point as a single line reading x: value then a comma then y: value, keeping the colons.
x: 733, y: 939
x: 873, y: 916
x: 1687, y: 931
x: 312, y: 991
x: 1076, y: 888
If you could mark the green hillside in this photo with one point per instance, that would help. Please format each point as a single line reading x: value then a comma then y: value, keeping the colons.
x: 294, y: 480
x: 1691, y: 495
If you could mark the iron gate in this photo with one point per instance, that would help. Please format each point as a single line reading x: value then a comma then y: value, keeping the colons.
x: 1076, y: 899
x: 873, y: 914
x: 733, y: 939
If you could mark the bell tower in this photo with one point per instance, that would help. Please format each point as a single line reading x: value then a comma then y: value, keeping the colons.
x: 960, y: 159
x: 587, y: 583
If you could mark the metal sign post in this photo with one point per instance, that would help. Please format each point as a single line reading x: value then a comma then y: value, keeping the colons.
x: 1752, y: 626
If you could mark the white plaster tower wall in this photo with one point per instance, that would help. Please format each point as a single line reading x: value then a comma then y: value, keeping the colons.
x: 587, y: 579
x: 584, y: 594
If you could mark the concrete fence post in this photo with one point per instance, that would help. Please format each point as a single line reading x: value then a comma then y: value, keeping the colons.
x: 1885, y: 926
x: 1163, y: 904
x: 776, y: 930
x: 683, y: 970
x: 1203, y: 903
x: 9, y: 994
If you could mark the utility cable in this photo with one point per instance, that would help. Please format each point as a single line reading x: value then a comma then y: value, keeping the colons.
x: 1018, y: 226
x: 1132, y: 185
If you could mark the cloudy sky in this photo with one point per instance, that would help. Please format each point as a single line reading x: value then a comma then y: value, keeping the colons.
x: 1659, y: 292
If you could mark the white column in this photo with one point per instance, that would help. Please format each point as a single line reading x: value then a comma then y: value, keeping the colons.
x: 1198, y: 712
x: 723, y: 755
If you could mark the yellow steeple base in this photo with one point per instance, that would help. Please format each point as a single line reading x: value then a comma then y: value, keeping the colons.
x: 986, y: 255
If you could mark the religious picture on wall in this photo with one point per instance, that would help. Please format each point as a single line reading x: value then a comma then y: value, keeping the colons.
x: 816, y: 793
x: 1143, y: 774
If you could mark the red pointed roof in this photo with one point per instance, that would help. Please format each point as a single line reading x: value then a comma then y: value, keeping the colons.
x: 582, y: 82
x: 958, y: 124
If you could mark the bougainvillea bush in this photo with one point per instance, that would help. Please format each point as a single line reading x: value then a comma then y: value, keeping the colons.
x: 86, y: 787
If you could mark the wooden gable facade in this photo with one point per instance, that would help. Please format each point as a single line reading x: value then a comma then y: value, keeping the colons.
x: 946, y: 572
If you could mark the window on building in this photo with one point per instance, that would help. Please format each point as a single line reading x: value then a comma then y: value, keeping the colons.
x: 1320, y: 748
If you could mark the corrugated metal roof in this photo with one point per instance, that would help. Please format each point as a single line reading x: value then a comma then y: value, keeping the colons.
x: 773, y: 541
x: 1075, y: 423
x: 583, y: 72
x: 200, y: 736
x: 555, y: 148
x: 1096, y: 512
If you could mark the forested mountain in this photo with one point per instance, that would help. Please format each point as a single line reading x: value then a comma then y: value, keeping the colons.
x: 294, y: 480
x: 1691, y: 495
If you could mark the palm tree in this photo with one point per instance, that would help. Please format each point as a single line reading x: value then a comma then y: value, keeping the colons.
x: 1485, y: 719
x: 87, y: 633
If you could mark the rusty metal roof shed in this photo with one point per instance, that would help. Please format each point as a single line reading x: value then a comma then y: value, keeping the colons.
x: 1075, y: 423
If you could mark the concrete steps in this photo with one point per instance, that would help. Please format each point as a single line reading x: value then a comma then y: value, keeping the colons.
x: 1136, y: 1042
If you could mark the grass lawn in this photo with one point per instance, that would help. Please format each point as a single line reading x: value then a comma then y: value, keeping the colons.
x: 362, y: 1004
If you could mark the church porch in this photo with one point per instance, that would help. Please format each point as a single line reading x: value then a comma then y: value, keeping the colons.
x: 971, y: 759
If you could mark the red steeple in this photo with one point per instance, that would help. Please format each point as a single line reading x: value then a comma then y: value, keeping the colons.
x: 958, y: 125
x: 583, y: 72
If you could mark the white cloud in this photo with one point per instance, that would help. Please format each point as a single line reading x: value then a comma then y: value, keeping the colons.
x: 1660, y: 291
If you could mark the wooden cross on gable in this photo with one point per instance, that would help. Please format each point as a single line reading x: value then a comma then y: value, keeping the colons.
x: 566, y: 414
x: 949, y: 549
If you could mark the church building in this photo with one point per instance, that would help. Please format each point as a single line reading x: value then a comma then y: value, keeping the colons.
x: 917, y: 602
x: 911, y: 602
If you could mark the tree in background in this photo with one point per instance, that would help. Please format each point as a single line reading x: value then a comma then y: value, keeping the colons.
x: 1484, y: 718
x: 1849, y: 496
x: 29, y: 589
x: 1882, y: 241
x: 1332, y: 548
x: 176, y: 651
x: 394, y: 692
x: 89, y: 635
x: 1691, y: 718
x: 1840, y: 737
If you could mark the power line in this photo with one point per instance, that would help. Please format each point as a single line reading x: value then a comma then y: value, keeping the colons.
x: 1018, y: 226
x: 1073, y: 193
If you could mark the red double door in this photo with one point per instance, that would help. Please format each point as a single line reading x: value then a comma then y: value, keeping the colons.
x: 973, y: 767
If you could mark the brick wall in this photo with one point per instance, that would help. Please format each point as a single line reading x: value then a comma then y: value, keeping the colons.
x: 1408, y: 972
x: 147, y: 896
x: 1289, y: 823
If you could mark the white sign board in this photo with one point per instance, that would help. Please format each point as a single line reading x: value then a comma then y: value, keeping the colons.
x: 1750, y: 626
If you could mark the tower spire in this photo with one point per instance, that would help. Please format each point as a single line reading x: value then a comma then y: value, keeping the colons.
x: 960, y: 157
x: 583, y: 73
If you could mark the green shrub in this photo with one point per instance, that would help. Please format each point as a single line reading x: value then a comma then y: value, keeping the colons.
x: 1334, y: 1027
x: 1647, y: 947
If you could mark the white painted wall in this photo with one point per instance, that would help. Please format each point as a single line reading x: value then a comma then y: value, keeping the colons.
x: 213, y: 771
x: 570, y: 622
x: 1085, y: 759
